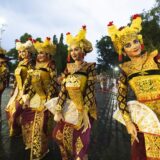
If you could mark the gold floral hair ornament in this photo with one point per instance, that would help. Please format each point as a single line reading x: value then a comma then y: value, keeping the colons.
x: 28, y: 45
x: 79, y: 39
x: 47, y: 46
x: 122, y: 35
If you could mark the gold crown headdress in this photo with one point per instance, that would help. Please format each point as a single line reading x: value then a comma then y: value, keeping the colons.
x: 122, y: 35
x: 79, y: 39
x: 28, y: 45
x: 47, y: 46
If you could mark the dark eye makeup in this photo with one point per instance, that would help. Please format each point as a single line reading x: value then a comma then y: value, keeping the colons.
x: 135, y: 41
x: 75, y: 49
x: 128, y: 45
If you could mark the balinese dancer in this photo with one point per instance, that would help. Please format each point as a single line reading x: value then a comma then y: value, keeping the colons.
x: 14, y: 106
x: 4, y: 73
x: 139, y: 91
x: 39, y: 87
x: 77, y: 86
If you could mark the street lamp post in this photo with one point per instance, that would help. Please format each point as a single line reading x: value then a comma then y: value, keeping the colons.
x: 2, y: 28
x: 1, y: 32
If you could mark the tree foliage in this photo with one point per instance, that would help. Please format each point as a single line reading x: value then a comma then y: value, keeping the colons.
x: 12, y: 53
x: 61, y: 54
x: 13, y: 56
x: 151, y: 28
x: 25, y: 37
x: 107, y: 57
x: 39, y: 39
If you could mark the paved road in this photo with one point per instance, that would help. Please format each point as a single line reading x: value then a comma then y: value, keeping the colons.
x: 109, y: 140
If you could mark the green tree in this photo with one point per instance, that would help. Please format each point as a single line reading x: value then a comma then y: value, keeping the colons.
x: 13, y: 56
x: 107, y: 57
x: 55, y: 40
x: 151, y: 27
x: 39, y: 39
x: 25, y: 37
x: 61, y: 54
x: 12, y: 53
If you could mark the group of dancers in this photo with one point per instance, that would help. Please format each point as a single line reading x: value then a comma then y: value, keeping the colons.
x: 36, y: 101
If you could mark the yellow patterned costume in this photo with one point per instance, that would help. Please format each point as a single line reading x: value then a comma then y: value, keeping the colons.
x: 139, y: 82
x: 145, y: 85
x: 39, y: 86
x: 14, y: 106
x: 78, y: 86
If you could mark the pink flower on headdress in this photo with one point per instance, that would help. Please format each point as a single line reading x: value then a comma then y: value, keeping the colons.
x: 30, y: 39
x: 68, y: 33
x: 17, y: 40
x: 33, y: 40
x: 135, y: 16
x: 142, y: 46
x: 120, y: 57
x: 68, y: 58
x: 48, y: 38
x: 84, y: 27
x: 110, y: 23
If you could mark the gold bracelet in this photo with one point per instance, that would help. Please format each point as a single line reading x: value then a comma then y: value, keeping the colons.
x: 86, y: 108
x: 58, y: 108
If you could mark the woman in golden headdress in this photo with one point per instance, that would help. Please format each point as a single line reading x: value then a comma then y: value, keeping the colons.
x: 4, y: 73
x: 139, y: 91
x: 39, y: 87
x: 14, y: 106
x: 77, y: 86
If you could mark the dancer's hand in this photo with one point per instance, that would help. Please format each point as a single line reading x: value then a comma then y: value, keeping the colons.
x: 86, y: 123
x: 131, y: 128
x: 58, y: 117
x: 12, y: 92
x: 26, y: 103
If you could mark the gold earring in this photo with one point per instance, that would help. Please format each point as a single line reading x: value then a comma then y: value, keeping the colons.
x: 124, y: 54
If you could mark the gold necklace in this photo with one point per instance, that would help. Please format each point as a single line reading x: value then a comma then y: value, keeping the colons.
x: 140, y: 64
x: 78, y: 67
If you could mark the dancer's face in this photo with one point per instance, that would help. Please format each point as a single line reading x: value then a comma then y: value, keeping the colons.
x: 23, y: 54
x: 42, y: 57
x: 76, y: 52
x: 132, y: 48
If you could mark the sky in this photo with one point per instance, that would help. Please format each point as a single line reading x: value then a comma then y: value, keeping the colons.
x: 44, y: 18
